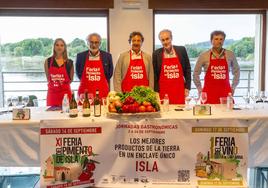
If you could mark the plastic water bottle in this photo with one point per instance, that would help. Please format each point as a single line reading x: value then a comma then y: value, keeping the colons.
x: 166, y: 103
x: 230, y: 102
x: 65, y: 104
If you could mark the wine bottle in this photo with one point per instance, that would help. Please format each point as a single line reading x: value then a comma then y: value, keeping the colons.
x: 73, y: 107
x: 86, y: 106
x: 97, y: 105
x: 209, y: 167
x: 65, y: 104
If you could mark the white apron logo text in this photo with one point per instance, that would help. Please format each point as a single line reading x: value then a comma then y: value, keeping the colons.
x: 93, y: 74
x: 136, y: 72
x: 171, y: 71
x: 218, y: 72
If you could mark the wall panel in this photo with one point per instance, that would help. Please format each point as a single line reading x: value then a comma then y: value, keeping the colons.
x: 56, y: 4
x: 208, y: 4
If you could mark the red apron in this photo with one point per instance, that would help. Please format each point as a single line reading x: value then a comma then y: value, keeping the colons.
x: 136, y: 75
x: 58, y: 84
x: 216, y: 82
x: 171, y: 80
x: 93, y: 78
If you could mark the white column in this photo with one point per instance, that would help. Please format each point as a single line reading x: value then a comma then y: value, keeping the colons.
x: 266, y: 61
x: 125, y: 18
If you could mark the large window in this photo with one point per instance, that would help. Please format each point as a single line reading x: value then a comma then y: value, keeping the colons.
x: 193, y: 32
x: 27, y: 41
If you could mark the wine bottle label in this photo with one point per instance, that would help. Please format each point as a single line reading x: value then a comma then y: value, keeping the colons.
x: 73, y: 111
x: 97, y: 110
x: 86, y: 111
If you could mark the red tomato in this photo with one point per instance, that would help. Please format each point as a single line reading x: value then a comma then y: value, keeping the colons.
x: 146, y: 103
x: 132, y: 108
x: 149, y: 108
x: 129, y: 100
x: 136, y: 106
x: 142, y: 108
x: 125, y: 108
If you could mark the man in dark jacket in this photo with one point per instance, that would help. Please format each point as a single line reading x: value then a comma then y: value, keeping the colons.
x: 172, y: 70
x: 94, y: 67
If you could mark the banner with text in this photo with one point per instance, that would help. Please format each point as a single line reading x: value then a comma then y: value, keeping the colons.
x: 75, y: 153
x: 138, y: 153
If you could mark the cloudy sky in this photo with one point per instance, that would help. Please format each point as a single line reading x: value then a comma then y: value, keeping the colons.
x: 186, y: 29
x: 189, y: 29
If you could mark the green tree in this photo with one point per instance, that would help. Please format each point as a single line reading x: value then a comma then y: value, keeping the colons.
x: 47, y: 51
x: 32, y: 47
x: 104, y: 45
x: 46, y: 41
x: 73, y: 51
x: 8, y: 49
x: 48, y: 46
x: 77, y: 42
x: 193, y: 51
x: 76, y: 46
x: 243, y: 48
x: 18, y: 51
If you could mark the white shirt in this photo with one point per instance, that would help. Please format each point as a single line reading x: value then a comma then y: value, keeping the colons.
x: 92, y: 57
x: 172, y: 53
x: 135, y: 55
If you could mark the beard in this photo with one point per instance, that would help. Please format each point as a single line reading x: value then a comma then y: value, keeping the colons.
x: 94, y: 50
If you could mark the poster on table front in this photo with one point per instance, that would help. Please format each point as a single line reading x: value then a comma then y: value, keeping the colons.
x: 177, y: 153
x: 144, y: 153
x: 74, y: 153
x: 221, y: 154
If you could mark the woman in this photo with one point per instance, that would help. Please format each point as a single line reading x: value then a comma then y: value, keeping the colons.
x: 59, y: 72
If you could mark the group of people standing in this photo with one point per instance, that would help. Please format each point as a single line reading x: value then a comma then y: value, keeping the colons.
x: 168, y: 71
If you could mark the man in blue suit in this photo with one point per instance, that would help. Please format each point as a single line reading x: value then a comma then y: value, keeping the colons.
x: 172, y: 70
x: 94, y: 67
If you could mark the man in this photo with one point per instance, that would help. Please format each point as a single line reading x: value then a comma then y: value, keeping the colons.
x: 94, y: 67
x: 134, y: 67
x: 172, y: 70
x: 216, y: 63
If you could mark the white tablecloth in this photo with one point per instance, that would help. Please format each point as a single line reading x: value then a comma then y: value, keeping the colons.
x: 19, y: 139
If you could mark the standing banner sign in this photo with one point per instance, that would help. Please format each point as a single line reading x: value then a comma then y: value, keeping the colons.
x: 144, y: 153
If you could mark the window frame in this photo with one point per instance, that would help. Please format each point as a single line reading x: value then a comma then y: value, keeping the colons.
x: 53, y: 13
x: 262, y: 47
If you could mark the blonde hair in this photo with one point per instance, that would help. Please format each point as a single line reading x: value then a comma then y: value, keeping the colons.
x: 65, y: 54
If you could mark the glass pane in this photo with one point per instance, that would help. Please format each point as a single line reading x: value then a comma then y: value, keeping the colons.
x: 27, y: 41
x: 193, y: 32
